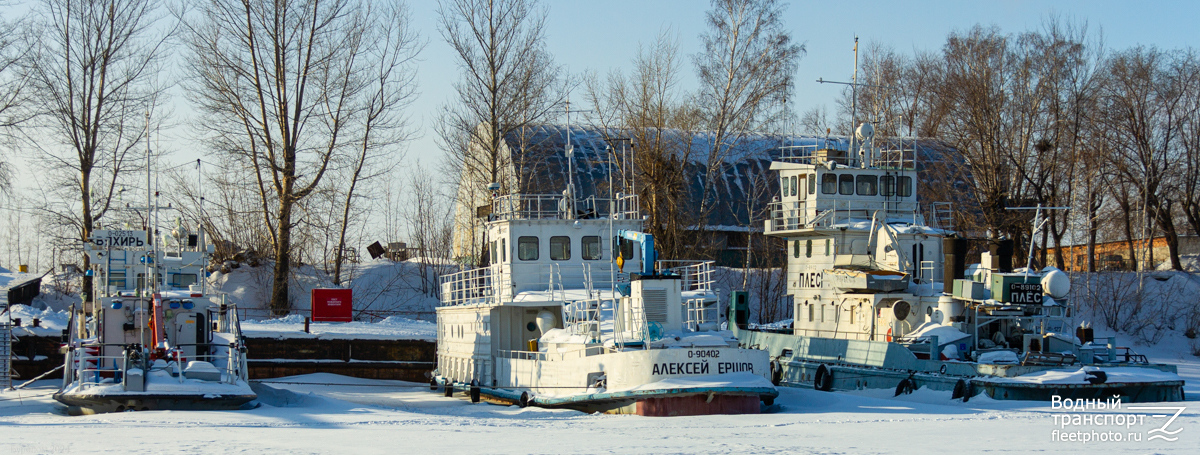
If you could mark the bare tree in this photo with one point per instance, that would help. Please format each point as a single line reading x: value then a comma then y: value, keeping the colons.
x: 1142, y: 105
x: 382, y: 125
x: 94, y: 75
x: 15, y: 92
x: 287, y: 88
x: 745, y: 73
x: 509, y: 81
x: 1188, y: 188
x: 430, y: 229
x: 646, y: 117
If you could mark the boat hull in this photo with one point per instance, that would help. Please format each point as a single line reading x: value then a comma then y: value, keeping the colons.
x: 86, y: 404
x: 661, y: 402
x: 654, y: 382
x: 835, y: 364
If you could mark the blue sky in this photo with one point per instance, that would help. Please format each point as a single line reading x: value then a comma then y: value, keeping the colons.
x: 603, y: 35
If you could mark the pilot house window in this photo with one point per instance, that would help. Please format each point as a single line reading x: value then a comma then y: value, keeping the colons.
x: 527, y: 248
x: 866, y: 185
x: 560, y: 248
x: 905, y: 189
x: 591, y: 247
x: 846, y: 184
x: 887, y: 186
x: 829, y: 183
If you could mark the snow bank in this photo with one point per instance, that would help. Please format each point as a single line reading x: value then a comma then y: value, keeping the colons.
x: 51, y: 323
x: 1115, y: 375
x: 391, y: 328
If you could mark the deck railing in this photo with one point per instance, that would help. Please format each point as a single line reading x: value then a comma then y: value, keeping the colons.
x: 557, y: 206
x: 700, y: 311
x: 694, y: 275
x: 493, y: 284
x: 793, y: 215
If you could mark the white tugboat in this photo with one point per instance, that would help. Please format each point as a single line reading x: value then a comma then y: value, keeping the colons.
x: 555, y: 321
x: 872, y: 310
x: 163, y: 343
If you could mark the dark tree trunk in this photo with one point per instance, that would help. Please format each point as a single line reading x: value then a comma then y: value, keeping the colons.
x: 280, y: 303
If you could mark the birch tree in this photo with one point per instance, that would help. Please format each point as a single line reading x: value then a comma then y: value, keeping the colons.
x: 745, y: 73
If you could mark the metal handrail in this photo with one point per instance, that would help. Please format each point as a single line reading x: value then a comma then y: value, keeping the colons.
x: 698, y: 313
x: 556, y: 206
x: 488, y: 285
x: 694, y: 275
x: 542, y: 356
x: 791, y: 215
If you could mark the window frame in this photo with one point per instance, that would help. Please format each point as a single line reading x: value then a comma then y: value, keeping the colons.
x: 583, y: 248
x: 829, y: 183
x: 846, y: 184
x: 887, y: 185
x: 871, y: 181
x: 566, y: 245
x: 523, y: 241
x: 904, y: 186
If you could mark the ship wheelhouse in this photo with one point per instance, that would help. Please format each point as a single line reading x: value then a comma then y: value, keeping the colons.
x: 858, y: 245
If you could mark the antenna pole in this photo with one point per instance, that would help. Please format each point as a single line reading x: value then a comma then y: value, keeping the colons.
x: 854, y: 102
x: 570, y: 152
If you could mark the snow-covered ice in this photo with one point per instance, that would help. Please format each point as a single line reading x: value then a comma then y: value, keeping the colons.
x: 310, y: 414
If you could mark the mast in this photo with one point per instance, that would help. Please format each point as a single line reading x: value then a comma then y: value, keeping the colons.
x: 854, y: 102
x: 149, y: 243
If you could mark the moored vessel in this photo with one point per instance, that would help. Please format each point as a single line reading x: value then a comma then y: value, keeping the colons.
x: 881, y: 298
x: 164, y: 343
x: 575, y: 311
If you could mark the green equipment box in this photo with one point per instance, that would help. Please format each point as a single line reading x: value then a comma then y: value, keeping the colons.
x: 1017, y: 288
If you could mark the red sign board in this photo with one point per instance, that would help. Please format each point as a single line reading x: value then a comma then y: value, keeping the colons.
x: 331, y: 305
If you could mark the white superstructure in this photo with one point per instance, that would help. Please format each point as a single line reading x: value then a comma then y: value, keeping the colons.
x: 557, y: 319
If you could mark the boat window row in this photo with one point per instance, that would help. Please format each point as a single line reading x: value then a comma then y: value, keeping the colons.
x: 797, y: 184
x: 529, y: 248
x: 866, y: 185
x: 808, y: 248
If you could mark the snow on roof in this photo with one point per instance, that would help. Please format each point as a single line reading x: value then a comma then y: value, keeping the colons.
x: 538, y: 152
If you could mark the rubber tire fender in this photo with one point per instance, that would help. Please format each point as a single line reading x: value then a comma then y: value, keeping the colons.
x: 960, y: 390
x: 776, y: 372
x: 823, y: 380
x: 525, y: 400
x: 905, y: 387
